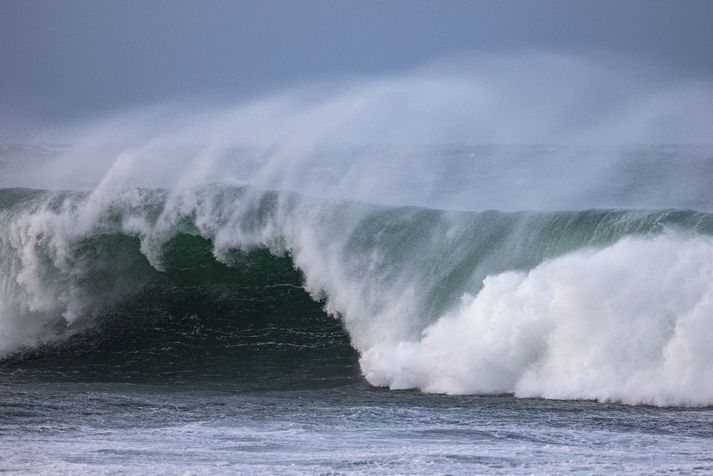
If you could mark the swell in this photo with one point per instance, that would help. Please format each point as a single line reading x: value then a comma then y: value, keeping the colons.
x: 236, y: 283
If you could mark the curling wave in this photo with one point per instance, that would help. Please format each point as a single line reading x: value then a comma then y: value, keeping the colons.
x: 601, y: 304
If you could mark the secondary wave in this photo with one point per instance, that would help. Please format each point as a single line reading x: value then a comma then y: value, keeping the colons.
x: 601, y: 304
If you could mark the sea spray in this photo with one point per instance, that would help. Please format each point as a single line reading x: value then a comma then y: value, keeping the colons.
x: 524, y: 131
x: 518, y: 265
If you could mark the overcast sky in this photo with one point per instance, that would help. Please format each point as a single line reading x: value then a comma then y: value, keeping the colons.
x: 65, y: 60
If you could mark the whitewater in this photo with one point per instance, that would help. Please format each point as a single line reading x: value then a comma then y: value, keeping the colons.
x: 598, y: 304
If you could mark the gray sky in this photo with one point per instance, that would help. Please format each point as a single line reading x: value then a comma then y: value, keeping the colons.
x: 64, y: 60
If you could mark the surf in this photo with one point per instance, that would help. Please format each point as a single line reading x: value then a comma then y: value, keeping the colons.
x: 531, y: 223
x: 595, y: 304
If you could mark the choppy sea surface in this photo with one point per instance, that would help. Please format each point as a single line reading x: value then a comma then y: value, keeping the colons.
x: 120, y: 428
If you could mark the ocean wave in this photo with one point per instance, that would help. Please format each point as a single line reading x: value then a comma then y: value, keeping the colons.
x: 602, y: 304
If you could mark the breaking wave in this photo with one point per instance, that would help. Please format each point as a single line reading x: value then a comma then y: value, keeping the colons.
x: 597, y: 304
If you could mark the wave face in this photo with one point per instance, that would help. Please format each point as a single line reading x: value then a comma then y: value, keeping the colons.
x: 596, y: 304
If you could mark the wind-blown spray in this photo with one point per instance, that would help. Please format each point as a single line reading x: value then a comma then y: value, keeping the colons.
x: 593, y: 280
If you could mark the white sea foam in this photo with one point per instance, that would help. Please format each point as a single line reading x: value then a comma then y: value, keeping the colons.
x: 632, y: 322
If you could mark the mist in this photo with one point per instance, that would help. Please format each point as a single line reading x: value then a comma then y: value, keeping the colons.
x: 534, y: 130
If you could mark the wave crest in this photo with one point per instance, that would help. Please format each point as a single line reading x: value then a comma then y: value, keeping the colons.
x: 604, y: 304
